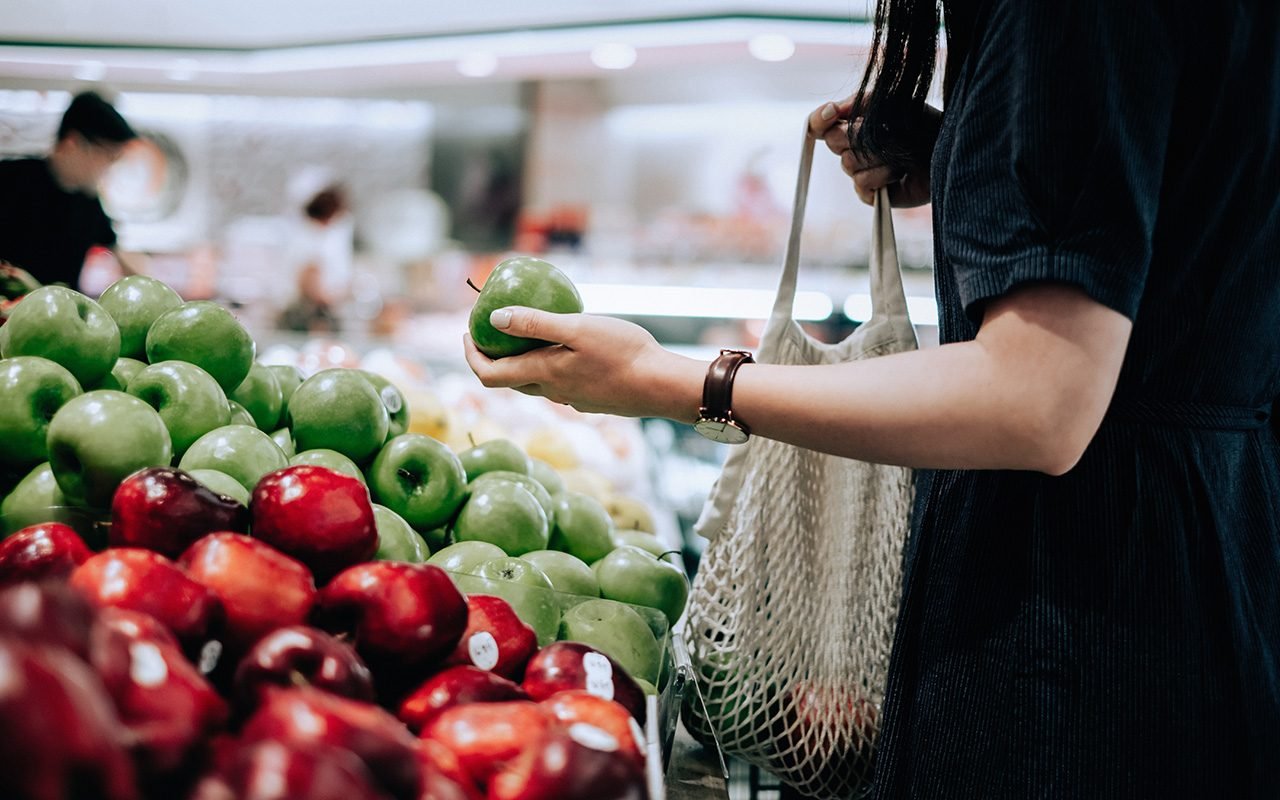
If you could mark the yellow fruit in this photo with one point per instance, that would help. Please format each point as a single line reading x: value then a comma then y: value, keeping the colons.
x: 552, y: 446
x: 630, y: 513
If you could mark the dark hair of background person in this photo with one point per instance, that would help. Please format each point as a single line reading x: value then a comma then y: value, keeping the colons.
x: 327, y: 204
x: 900, y: 67
x: 95, y: 119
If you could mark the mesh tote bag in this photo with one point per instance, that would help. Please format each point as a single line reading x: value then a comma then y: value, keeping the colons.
x: 793, y: 608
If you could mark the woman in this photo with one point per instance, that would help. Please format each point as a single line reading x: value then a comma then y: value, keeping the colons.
x: 1092, y: 600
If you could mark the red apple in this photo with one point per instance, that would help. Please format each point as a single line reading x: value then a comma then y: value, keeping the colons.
x: 140, y: 580
x: 301, y: 656
x: 274, y: 770
x: 163, y: 700
x: 833, y: 725
x: 61, y: 738
x: 50, y: 550
x: 261, y: 589
x: 561, y: 666
x: 396, y: 612
x: 572, y: 707
x: 456, y: 686
x: 309, y: 716
x: 443, y: 777
x: 485, y: 736
x: 319, y: 516
x: 495, y: 638
x: 580, y: 762
x: 164, y: 509
x: 47, y: 613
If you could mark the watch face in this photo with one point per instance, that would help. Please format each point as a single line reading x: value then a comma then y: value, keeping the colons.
x: 719, y: 430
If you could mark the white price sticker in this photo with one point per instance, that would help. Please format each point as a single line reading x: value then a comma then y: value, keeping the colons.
x: 593, y: 737
x: 599, y: 675
x: 483, y: 649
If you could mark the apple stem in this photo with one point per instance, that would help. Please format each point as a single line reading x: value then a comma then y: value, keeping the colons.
x: 671, y: 553
x: 473, y: 286
x: 471, y: 438
x: 298, y: 680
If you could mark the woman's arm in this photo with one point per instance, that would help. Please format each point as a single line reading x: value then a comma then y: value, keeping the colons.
x: 1028, y: 393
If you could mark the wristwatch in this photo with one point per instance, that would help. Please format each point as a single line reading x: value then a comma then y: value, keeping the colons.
x: 715, y: 418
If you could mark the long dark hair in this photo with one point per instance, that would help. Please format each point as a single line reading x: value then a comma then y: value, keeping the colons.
x: 900, y: 67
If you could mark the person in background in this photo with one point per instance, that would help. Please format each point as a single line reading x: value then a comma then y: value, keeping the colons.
x: 1092, y: 582
x: 321, y: 252
x: 50, y: 214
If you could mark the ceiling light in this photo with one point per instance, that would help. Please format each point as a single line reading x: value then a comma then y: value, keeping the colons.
x: 183, y: 69
x: 771, y: 47
x: 613, y: 55
x: 90, y: 71
x: 479, y: 64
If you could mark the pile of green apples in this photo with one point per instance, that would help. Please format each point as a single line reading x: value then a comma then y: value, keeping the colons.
x: 92, y: 392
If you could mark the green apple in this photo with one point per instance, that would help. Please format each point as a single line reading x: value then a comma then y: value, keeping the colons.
x: 396, y: 540
x: 207, y: 335
x: 32, y: 389
x: 241, y: 451
x: 33, y: 495
x: 328, y: 458
x: 338, y: 409
x: 546, y: 475
x: 62, y: 325
x: 536, y: 489
x: 505, y: 514
x: 632, y: 575
x: 582, y: 527
x: 289, y: 377
x: 519, y: 281
x: 135, y: 302
x: 240, y: 415
x: 222, y: 483
x: 393, y: 399
x: 463, y: 557
x: 567, y: 574
x: 618, y: 631
x: 121, y: 373
x: 437, y: 539
x: 284, y: 438
x: 493, y: 456
x: 189, y: 400
x: 523, y: 586
x: 261, y: 395
x: 645, y: 686
x: 420, y: 479
x: 100, y: 438
x: 648, y: 542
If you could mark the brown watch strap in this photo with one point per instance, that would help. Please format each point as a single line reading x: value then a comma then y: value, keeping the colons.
x: 717, y: 388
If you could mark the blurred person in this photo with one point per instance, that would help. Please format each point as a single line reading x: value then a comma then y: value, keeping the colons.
x: 1092, y: 582
x: 321, y: 252
x: 50, y: 212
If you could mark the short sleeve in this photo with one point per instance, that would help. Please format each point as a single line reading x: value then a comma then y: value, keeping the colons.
x: 1063, y: 118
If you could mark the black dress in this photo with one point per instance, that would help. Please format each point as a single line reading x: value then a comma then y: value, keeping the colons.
x: 1113, y: 632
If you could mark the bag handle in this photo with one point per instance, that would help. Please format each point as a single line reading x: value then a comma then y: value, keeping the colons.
x: 888, y: 298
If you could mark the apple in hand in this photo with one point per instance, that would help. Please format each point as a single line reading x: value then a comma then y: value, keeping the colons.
x: 456, y: 686
x: 393, y: 399
x: 566, y: 573
x: 188, y: 399
x: 28, y: 502
x: 519, y: 281
x: 147, y: 582
x: 582, y: 527
x: 241, y: 451
x: 220, y: 483
x: 332, y: 459
x: 261, y: 396
x: 166, y: 510
x: 504, y: 514
x: 339, y: 409
x: 207, y: 335
x: 495, y: 455
x: 578, y: 762
x: 64, y: 326
x: 320, y: 517
x: 562, y: 666
x: 396, y: 540
x: 577, y: 706
x: 485, y: 736
x: 496, y: 639
x: 632, y: 575
x: 164, y: 701
x: 464, y: 557
x: 260, y: 588
x: 134, y: 302
x: 420, y: 479
x: 618, y: 631
x: 524, y: 587
x: 32, y: 389
x: 48, y: 550
x: 298, y: 655
x: 98, y: 439
x: 396, y: 612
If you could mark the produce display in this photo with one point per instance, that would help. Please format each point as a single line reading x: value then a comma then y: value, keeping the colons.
x: 222, y: 579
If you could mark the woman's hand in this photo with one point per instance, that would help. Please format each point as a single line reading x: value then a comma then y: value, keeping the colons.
x: 595, y: 364
x: 829, y: 123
